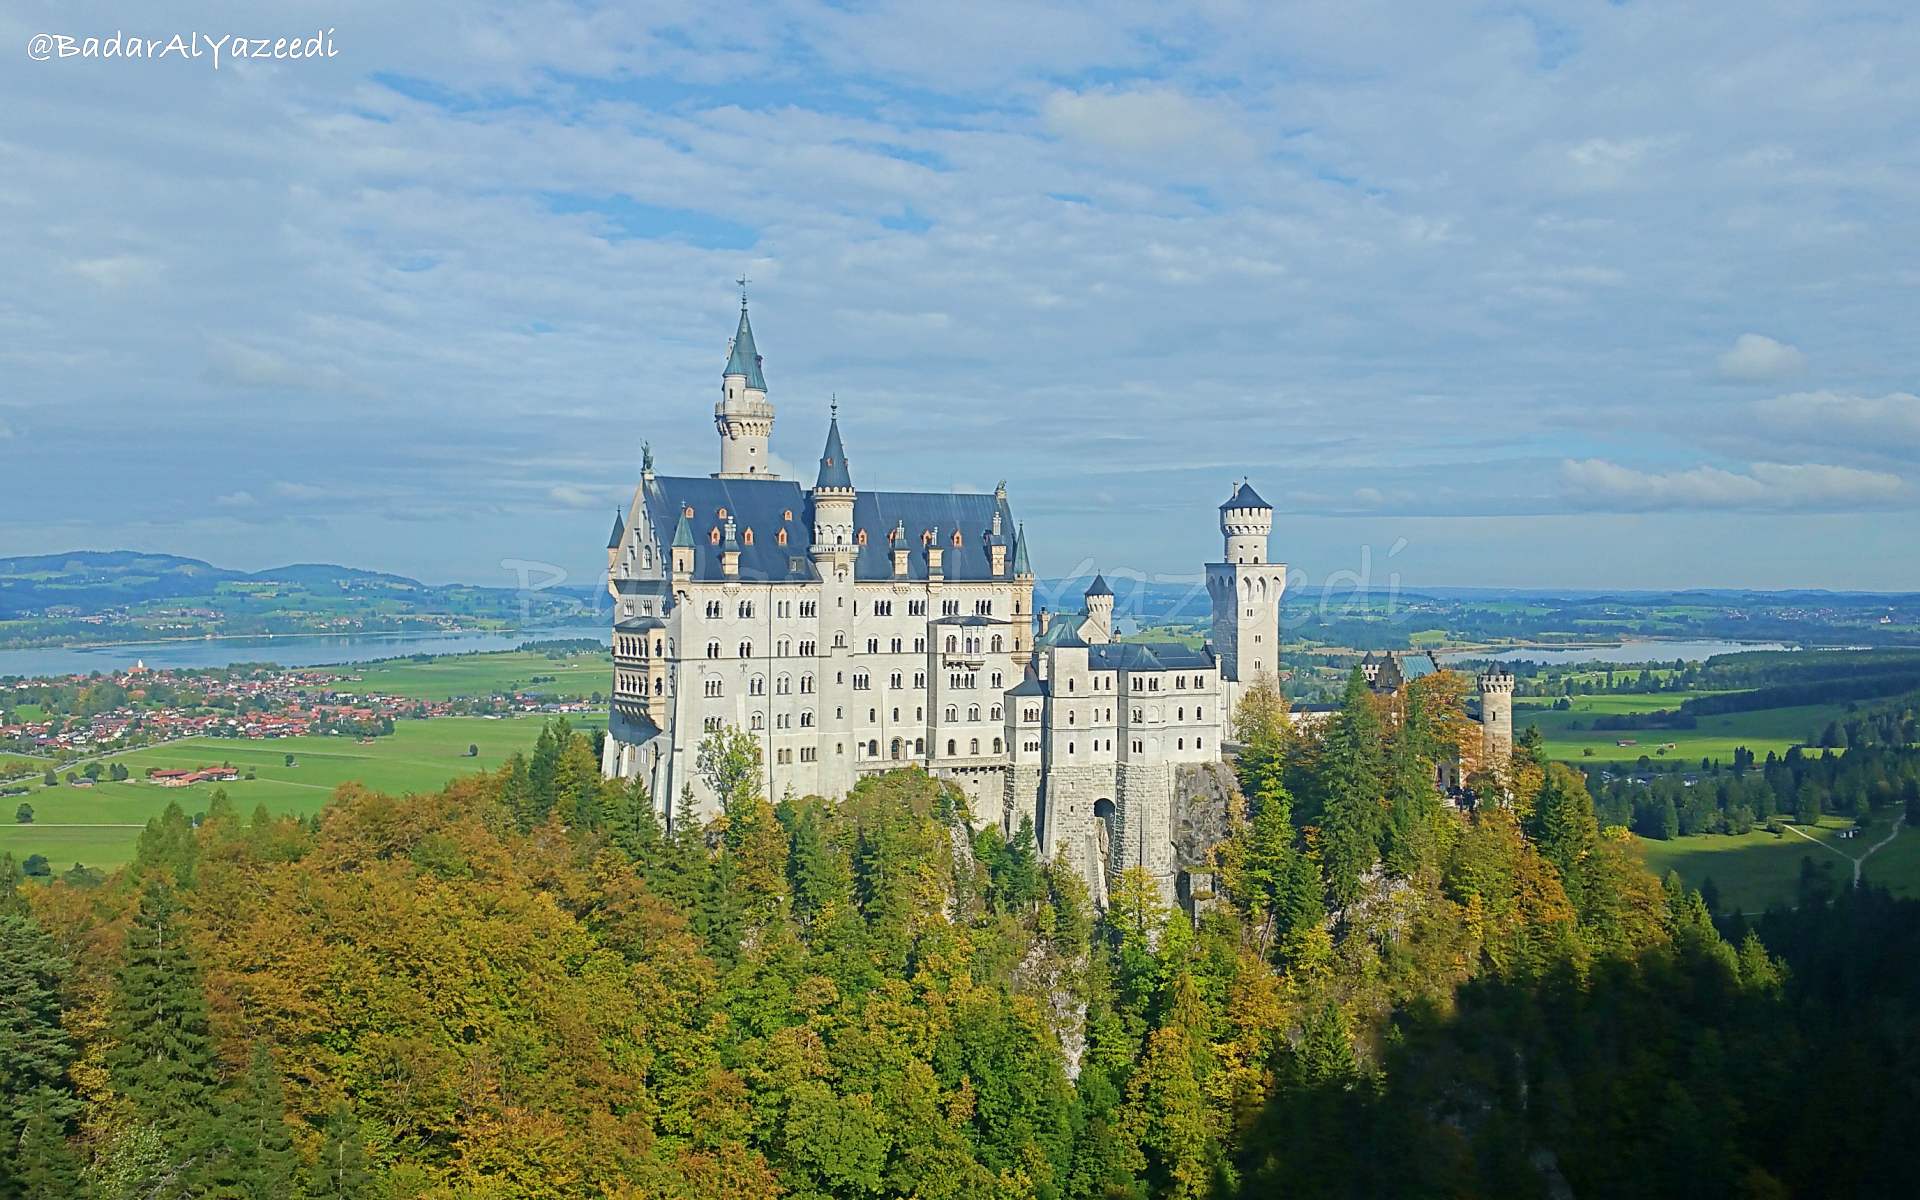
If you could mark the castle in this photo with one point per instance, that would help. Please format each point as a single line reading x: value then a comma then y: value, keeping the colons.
x: 852, y: 632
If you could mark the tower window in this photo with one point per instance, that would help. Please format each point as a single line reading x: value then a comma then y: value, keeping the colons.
x: 713, y: 536
x: 781, y: 537
x: 746, y: 537
x: 862, y: 538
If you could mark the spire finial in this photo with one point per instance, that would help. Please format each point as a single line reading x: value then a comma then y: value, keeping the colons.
x: 646, y: 458
x: 833, y: 405
x: 743, y: 281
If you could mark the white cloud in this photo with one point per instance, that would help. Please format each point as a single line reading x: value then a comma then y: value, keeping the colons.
x: 235, y: 364
x: 116, y: 271
x: 1867, y: 422
x: 566, y: 495
x: 1756, y: 357
x: 1148, y: 123
x: 302, y: 491
x: 240, y: 499
x: 1598, y: 483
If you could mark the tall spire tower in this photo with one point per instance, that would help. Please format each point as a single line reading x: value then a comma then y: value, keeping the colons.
x: 743, y: 417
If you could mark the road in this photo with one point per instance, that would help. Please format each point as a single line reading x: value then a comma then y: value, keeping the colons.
x: 1859, y: 864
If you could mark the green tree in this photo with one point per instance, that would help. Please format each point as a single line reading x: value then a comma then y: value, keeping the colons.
x: 161, y: 1057
x: 1351, y: 793
x: 255, y: 1158
x: 340, y: 1170
x: 24, y: 814
x: 43, y: 1166
x: 33, y: 1045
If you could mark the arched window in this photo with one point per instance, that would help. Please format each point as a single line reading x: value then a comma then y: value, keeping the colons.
x: 996, y: 714
x: 997, y: 643
x: 780, y: 538
x: 713, y: 536
x: 713, y: 649
x: 759, y: 721
x: 974, y: 745
x: 952, y: 748
x: 861, y: 537
x: 746, y: 537
x: 714, y: 686
x: 953, y: 712
x: 919, y: 745
x: 746, y: 649
x: 873, y: 748
x: 973, y: 712
x: 953, y: 643
x: 996, y: 745
x: 806, y: 718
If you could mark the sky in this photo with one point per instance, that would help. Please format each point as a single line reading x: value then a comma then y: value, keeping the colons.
x: 1522, y: 295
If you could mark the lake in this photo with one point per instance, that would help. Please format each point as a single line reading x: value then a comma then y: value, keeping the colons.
x: 286, y: 651
x: 1644, y: 651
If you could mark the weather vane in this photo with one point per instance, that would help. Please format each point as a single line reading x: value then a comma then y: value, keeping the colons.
x: 742, y: 281
x: 833, y: 405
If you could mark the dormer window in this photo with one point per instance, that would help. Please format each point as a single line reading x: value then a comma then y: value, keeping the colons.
x: 687, y: 512
x: 863, y: 537
x: 713, y: 536
x: 787, y: 515
x: 781, y: 537
x: 746, y: 537
x: 720, y: 514
x: 956, y: 539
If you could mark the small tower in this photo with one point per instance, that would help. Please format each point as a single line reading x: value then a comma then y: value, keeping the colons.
x: 1246, y: 590
x: 614, y: 539
x: 833, y: 494
x: 1496, y: 718
x: 1022, y: 600
x: 1097, y: 629
x: 730, y: 551
x: 743, y: 417
x: 682, y: 548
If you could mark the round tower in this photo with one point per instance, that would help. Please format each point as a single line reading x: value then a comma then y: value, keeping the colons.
x: 1247, y: 522
x: 1098, y: 629
x: 1496, y: 716
x: 743, y: 417
x: 833, y: 495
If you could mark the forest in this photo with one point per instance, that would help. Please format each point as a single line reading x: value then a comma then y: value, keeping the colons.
x: 530, y: 985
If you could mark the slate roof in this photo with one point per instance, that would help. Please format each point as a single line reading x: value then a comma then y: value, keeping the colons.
x: 1243, y: 496
x: 1099, y: 587
x: 1020, y: 564
x: 1030, y: 685
x: 744, y: 359
x: 619, y: 531
x: 760, y: 506
x: 1146, y: 656
x: 833, y: 461
x: 629, y: 624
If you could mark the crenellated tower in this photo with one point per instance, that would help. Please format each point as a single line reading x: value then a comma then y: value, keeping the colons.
x: 1496, y: 718
x: 743, y: 417
x: 1246, y: 590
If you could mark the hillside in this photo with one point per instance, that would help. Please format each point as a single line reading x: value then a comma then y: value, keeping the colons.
x: 126, y: 595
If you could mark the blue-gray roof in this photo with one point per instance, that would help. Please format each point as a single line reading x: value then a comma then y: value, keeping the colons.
x: 682, y: 530
x: 761, y: 507
x: 744, y: 359
x: 1020, y: 564
x: 619, y: 531
x: 833, y: 460
x: 1099, y: 587
x: 1245, y: 497
x: 1146, y: 656
x: 1028, y: 686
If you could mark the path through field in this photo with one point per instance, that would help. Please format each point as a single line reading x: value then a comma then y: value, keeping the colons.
x: 1859, y: 864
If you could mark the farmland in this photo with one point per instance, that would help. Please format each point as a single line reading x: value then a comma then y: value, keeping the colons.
x: 1763, y: 730
x: 99, y: 825
x: 1758, y: 869
x: 450, y: 676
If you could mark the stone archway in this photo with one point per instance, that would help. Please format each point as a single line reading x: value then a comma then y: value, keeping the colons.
x: 1103, y: 815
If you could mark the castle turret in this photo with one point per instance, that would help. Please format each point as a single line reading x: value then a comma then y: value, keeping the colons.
x: 743, y: 417
x: 730, y: 551
x: 1022, y: 600
x: 1246, y: 590
x: 833, y: 497
x: 1496, y: 718
x: 1097, y: 630
x: 682, y: 552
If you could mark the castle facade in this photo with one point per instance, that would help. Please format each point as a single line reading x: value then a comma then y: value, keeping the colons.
x: 851, y: 631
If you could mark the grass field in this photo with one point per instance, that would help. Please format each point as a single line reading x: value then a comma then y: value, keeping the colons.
x: 99, y: 825
x: 1774, y: 729
x: 1755, y: 870
x: 480, y: 675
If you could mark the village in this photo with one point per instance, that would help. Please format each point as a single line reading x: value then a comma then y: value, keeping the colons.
x: 65, y: 719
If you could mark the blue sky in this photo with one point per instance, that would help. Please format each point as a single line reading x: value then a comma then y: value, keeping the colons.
x: 1559, y: 295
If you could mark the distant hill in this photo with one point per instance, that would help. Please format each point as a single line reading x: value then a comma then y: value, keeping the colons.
x: 115, y: 595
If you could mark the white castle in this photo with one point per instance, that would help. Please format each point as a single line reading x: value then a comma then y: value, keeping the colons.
x: 853, y: 632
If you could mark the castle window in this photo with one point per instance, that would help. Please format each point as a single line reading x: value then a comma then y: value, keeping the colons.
x: 757, y: 721
x: 687, y: 512
x: 1180, y: 743
x: 919, y: 680
x: 713, y: 536
x: 713, y: 649
x: 956, y: 546
x: 919, y: 645
x: 840, y: 639
x: 713, y: 609
x: 1069, y: 747
x: 806, y: 649
x: 746, y: 609
x: 780, y: 538
x: 895, y: 645
x: 809, y: 608
x: 806, y: 687
x: 973, y: 712
x: 953, y: 748
x: 786, y: 516
x: 916, y: 608
x: 783, y: 685
x: 861, y: 681
x: 720, y: 514
x: 757, y: 686
x: 996, y: 745
x: 1198, y: 744
x: 997, y: 643
x: 983, y: 608
x: 715, y: 687
x: 873, y: 645
x: 999, y: 681
x: 746, y: 649
x: 711, y: 724
x: 953, y: 712
x: 894, y: 681
x: 995, y: 713
x: 973, y: 747
x: 861, y: 537
x: 746, y: 537
x: 806, y: 718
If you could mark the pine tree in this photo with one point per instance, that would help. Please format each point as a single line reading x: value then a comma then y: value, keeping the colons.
x: 340, y: 1169
x: 517, y: 791
x: 1413, y: 803
x: 34, y: 1048
x: 43, y: 1166
x: 543, y: 773
x: 634, y: 827
x: 1562, y: 825
x: 255, y: 1159
x: 1351, y: 814
x: 162, y: 1053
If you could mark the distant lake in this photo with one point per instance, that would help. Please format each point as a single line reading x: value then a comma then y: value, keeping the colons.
x: 1646, y: 650
x: 287, y: 651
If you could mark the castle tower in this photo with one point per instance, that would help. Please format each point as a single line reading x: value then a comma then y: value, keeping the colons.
x: 1496, y: 718
x: 833, y: 499
x: 1246, y: 591
x: 1022, y: 600
x: 743, y: 417
x: 1097, y: 630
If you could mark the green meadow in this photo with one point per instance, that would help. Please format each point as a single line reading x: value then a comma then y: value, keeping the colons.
x: 99, y: 825
x: 480, y: 675
x: 1775, y: 729
x: 1756, y: 870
